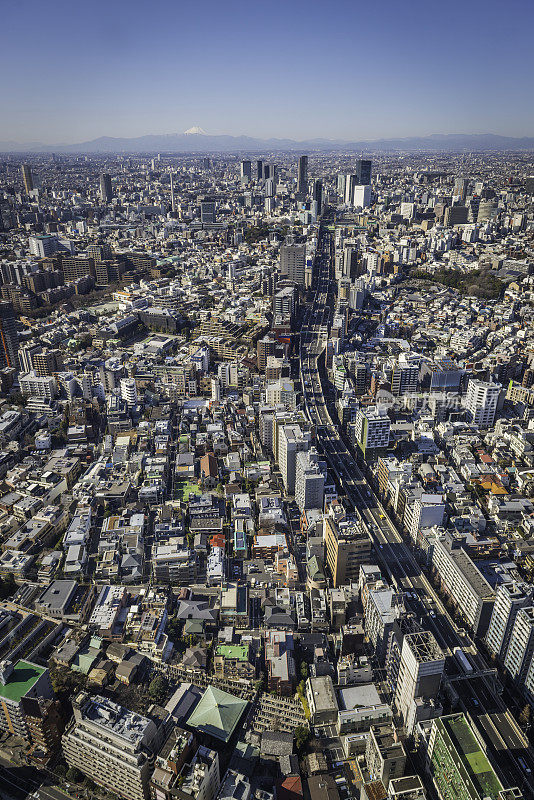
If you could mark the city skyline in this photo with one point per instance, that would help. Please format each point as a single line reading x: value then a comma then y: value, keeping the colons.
x: 350, y: 72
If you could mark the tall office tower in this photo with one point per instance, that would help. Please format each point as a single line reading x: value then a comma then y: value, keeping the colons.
x: 318, y: 194
x: 207, y: 211
x: 266, y: 347
x: 351, y: 181
x: 481, y: 402
x: 269, y: 188
x: 266, y: 171
x: 453, y: 749
x: 341, y: 178
x: 206, y: 163
x: 293, y: 263
x: 371, y: 429
x: 455, y: 215
x: 348, y: 546
x: 405, y: 375
x: 246, y: 172
x: 9, y: 340
x: 362, y: 196
x: 106, y: 190
x: 259, y: 169
x: 309, y: 480
x: 27, y: 177
x: 363, y: 171
x: 292, y: 439
x: 172, y: 194
x: 509, y: 599
x: 421, y: 667
x: 521, y: 645
x: 349, y: 258
x: 302, y: 177
x: 111, y: 745
x: 285, y: 301
x: 460, y: 188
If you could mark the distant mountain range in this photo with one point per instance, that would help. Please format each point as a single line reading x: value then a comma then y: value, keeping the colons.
x: 196, y: 141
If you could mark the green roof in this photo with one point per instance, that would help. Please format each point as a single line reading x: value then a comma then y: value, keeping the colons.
x: 239, y: 651
x: 473, y: 758
x: 21, y: 680
x: 217, y: 713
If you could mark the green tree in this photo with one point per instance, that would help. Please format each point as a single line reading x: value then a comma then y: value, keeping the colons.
x: 524, y: 717
x: 8, y: 586
x: 158, y: 688
x: 303, y: 670
x: 302, y: 734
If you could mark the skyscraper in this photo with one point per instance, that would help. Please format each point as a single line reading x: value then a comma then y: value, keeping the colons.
x: 481, y: 402
x: 106, y: 190
x: 207, y: 210
x: 363, y: 172
x: 461, y: 186
x: 350, y: 183
x: 9, y: 345
x: 27, y: 177
x: 302, y: 178
x: 246, y: 172
x: 318, y: 194
x: 293, y: 262
x: 259, y: 169
x: 421, y: 667
x: 172, y: 194
x: 509, y: 599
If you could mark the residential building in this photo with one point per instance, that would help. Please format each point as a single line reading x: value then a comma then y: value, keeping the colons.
x: 111, y: 745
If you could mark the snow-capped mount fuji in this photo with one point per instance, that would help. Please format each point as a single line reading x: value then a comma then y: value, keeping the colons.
x: 196, y: 140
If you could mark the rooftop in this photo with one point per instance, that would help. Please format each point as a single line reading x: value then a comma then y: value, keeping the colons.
x: 217, y: 713
x: 20, y: 681
x: 473, y: 760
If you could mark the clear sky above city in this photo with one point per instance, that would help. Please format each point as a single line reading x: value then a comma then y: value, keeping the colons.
x: 342, y: 69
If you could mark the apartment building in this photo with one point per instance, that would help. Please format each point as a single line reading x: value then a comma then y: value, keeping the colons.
x: 111, y: 745
x: 464, y: 582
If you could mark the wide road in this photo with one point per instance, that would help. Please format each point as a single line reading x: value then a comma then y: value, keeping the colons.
x: 393, y: 554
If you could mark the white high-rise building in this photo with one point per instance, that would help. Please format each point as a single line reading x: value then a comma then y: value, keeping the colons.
x: 521, y: 646
x: 481, y: 402
x: 421, y: 667
x: 129, y: 391
x: 292, y: 439
x: 509, y: 599
x: 362, y: 196
x: 215, y: 390
x: 35, y: 386
x: 309, y: 480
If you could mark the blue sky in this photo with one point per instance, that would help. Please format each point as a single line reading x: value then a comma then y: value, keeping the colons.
x: 72, y: 71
